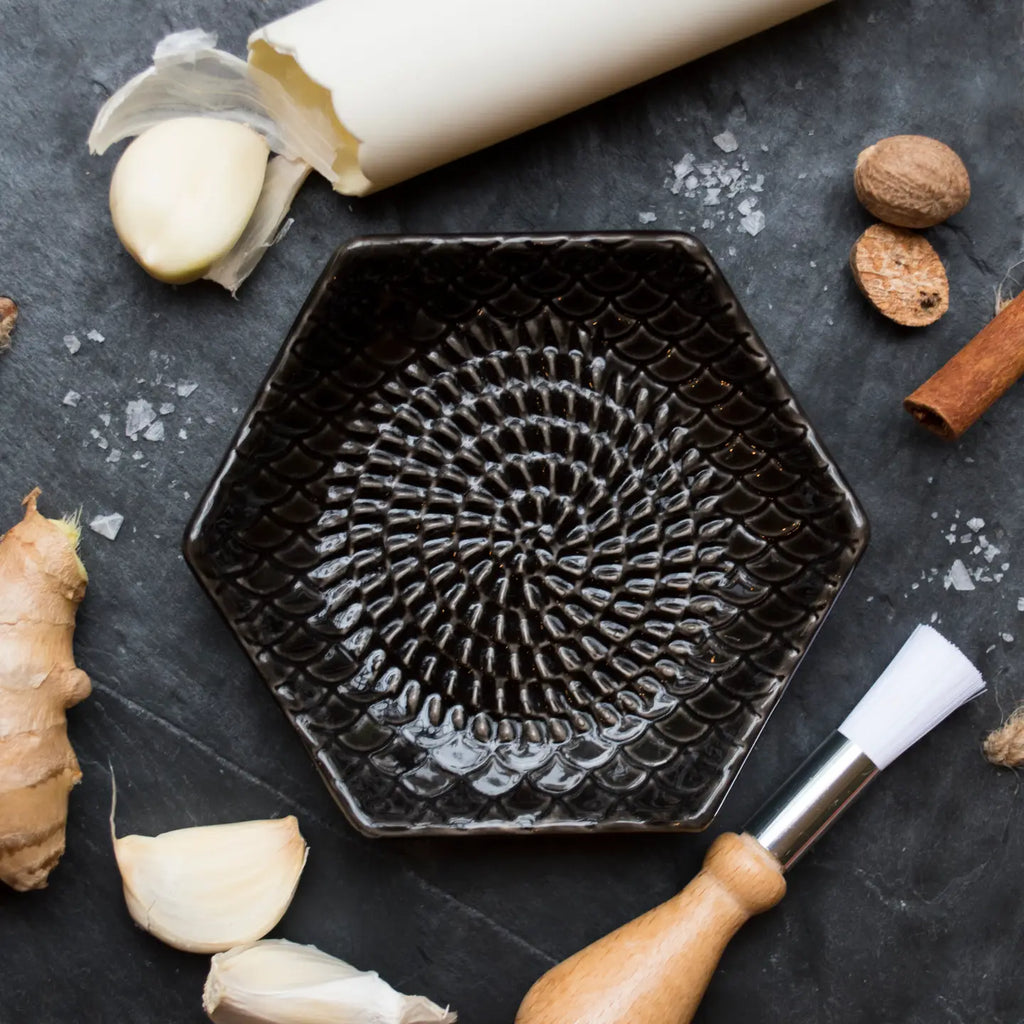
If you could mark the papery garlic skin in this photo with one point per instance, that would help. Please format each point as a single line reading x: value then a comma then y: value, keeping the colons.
x: 281, y: 982
x: 190, y: 77
x: 184, y: 191
x: 206, y: 889
x: 266, y: 226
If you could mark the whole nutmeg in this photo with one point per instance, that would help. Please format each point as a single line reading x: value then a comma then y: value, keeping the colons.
x: 911, y: 181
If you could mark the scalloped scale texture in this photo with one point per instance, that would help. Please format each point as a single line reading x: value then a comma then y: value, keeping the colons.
x: 526, y: 533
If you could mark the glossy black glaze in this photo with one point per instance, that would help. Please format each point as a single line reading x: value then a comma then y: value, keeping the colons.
x: 526, y: 533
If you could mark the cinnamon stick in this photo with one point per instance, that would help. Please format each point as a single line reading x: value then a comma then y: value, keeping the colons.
x: 957, y: 395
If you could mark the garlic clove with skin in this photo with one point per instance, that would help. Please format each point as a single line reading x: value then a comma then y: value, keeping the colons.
x: 281, y: 982
x: 206, y: 889
x: 184, y: 191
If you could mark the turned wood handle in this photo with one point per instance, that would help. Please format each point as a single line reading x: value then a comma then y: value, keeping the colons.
x: 655, y: 969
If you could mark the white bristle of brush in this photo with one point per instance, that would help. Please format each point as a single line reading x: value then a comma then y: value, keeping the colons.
x: 929, y: 678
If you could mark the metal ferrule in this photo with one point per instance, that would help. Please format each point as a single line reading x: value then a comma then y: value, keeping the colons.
x: 815, y: 795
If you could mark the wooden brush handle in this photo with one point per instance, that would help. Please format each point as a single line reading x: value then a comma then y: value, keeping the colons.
x: 655, y: 969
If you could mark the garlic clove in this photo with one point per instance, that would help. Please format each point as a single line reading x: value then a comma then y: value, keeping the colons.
x: 183, y: 192
x: 207, y: 889
x: 281, y: 982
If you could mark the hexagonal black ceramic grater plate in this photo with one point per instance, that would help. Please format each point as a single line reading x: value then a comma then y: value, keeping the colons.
x: 526, y: 533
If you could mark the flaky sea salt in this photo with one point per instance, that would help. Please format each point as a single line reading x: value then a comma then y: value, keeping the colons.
x: 105, y: 418
x: 155, y: 431
x: 185, y: 388
x: 108, y: 525
x: 683, y: 167
x: 72, y: 398
x: 726, y: 142
x: 1007, y: 638
x: 166, y: 408
x: 138, y: 415
x: 715, y: 184
x: 95, y: 335
x: 753, y: 223
x: 115, y: 455
x: 71, y: 343
x: 958, y: 577
x: 976, y: 524
x: 647, y: 216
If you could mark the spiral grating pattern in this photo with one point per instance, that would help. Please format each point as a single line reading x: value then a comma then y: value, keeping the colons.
x: 526, y: 533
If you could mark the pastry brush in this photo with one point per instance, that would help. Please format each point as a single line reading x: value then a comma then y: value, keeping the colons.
x: 654, y: 970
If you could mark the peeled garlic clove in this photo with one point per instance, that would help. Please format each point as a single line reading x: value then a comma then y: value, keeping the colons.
x: 207, y: 889
x: 183, y: 192
x: 281, y: 982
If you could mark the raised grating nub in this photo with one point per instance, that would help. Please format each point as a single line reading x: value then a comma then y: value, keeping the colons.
x: 521, y: 513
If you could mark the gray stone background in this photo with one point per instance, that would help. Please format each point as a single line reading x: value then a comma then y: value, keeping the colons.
x: 912, y: 908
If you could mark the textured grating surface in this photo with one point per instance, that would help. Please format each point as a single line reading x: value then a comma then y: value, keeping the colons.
x: 526, y: 533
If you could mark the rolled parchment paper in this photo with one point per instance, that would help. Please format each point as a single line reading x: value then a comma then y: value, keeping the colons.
x: 411, y: 84
x: 956, y: 396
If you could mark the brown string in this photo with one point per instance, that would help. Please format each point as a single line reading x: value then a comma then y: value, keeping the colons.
x: 1005, y: 746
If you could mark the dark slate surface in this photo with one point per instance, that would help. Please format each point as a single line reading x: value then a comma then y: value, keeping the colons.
x: 911, y: 909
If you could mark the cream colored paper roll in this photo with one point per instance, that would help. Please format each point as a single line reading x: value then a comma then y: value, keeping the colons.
x: 412, y: 84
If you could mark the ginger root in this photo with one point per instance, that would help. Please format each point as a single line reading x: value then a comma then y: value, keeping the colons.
x: 42, y: 582
x: 8, y: 318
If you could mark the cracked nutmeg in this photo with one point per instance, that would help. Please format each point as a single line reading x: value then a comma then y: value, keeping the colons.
x: 901, y: 275
x: 8, y: 318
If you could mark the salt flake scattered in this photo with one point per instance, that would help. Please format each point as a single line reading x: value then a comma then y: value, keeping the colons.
x: 71, y: 343
x: 726, y: 142
x: 138, y: 416
x: 647, y: 217
x: 683, y: 168
x: 95, y: 335
x: 72, y: 398
x: 1006, y: 638
x: 976, y: 524
x: 155, y: 431
x: 753, y: 223
x: 166, y: 408
x: 958, y: 577
x: 108, y: 525
x: 185, y: 388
